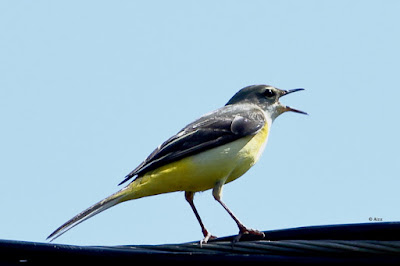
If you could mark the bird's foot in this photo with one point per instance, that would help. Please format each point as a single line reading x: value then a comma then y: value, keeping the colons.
x: 247, y: 231
x: 207, y: 236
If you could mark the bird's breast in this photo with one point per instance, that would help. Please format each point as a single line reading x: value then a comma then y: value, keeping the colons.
x: 250, y: 153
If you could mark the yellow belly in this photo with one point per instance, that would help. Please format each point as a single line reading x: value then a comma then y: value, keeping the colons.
x: 201, y: 171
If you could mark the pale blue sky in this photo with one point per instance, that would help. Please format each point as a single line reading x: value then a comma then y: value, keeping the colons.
x: 89, y: 88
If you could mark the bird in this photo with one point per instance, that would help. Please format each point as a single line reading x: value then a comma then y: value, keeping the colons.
x: 208, y: 153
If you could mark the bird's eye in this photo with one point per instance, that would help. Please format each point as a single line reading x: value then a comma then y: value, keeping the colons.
x: 269, y: 93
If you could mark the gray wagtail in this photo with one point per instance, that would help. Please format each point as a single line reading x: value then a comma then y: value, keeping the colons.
x: 213, y: 150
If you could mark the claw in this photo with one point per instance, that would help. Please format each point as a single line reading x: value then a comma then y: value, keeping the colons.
x: 245, y: 231
x: 207, y: 237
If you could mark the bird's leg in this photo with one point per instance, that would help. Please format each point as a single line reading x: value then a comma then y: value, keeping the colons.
x: 189, y: 198
x: 217, y: 192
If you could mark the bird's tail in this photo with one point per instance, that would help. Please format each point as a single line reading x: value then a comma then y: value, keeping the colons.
x: 100, y: 206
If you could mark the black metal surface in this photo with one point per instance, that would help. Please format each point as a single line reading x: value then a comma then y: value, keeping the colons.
x: 371, y: 243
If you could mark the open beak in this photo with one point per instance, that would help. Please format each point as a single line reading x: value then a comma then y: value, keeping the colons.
x: 288, y: 108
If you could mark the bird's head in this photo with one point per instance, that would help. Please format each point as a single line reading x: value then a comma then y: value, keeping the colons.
x: 266, y: 97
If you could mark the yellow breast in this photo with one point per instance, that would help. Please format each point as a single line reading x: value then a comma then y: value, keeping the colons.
x: 201, y: 171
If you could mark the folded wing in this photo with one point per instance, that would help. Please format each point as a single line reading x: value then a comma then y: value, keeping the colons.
x: 214, y: 129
